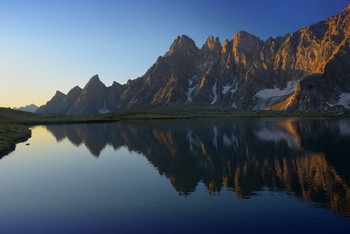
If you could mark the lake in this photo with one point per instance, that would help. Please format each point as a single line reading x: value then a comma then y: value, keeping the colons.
x: 263, y: 175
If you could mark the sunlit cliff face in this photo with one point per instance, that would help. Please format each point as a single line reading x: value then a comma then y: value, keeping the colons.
x: 306, y: 70
x: 244, y: 156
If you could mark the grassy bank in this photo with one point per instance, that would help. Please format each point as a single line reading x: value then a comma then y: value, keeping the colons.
x: 10, y: 135
x: 9, y: 116
x: 201, y: 110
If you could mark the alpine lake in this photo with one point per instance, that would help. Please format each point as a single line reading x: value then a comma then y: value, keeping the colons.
x: 253, y: 175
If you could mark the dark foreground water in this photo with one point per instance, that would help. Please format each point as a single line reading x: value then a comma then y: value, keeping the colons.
x: 184, y: 176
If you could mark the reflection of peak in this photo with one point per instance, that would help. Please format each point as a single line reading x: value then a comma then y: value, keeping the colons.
x: 280, y: 131
x: 57, y: 131
x: 318, y: 178
x: 242, y: 155
x: 271, y: 135
x: 290, y: 127
x: 93, y: 136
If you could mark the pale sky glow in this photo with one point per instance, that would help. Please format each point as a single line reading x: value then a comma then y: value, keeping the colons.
x: 54, y: 45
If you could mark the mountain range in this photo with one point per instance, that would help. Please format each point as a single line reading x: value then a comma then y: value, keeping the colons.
x: 28, y: 108
x: 308, y: 70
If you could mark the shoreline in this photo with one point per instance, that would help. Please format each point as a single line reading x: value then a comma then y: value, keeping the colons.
x: 14, y: 127
x: 11, y: 135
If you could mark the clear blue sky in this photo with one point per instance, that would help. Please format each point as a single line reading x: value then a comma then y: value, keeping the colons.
x: 54, y: 45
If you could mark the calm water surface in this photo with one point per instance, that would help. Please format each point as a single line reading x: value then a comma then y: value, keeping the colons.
x: 180, y: 176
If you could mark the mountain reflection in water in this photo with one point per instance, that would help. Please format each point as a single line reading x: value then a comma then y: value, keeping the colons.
x: 307, y: 158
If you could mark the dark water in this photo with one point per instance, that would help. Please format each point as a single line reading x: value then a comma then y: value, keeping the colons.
x: 180, y: 176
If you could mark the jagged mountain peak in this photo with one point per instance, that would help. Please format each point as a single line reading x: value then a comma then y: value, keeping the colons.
x: 51, y: 107
x: 243, y: 73
x: 345, y: 17
x: 211, y: 43
x: 116, y: 84
x: 183, y: 39
x: 76, y: 88
x: 182, y: 45
x: 74, y: 91
x: 243, y: 35
x: 94, y: 82
x: 225, y: 46
x: 211, y: 39
x: 59, y: 93
x: 94, y: 79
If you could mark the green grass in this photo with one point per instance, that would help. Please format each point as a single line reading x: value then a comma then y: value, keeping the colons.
x: 201, y: 110
x: 9, y: 116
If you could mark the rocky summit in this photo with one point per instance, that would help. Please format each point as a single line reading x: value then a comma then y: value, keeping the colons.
x: 308, y: 70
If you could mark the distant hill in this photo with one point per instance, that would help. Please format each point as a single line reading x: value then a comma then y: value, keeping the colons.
x: 29, y: 108
x: 308, y: 70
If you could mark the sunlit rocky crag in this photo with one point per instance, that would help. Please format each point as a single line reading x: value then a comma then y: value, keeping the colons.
x: 305, y: 70
x: 306, y: 158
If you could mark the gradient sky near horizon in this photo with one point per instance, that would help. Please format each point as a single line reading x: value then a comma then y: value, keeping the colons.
x: 55, y: 45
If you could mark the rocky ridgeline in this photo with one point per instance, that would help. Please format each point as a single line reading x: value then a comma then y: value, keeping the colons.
x: 307, y: 70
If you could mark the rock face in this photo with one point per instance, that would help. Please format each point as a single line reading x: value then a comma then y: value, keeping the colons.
x: 307, y: 70
x: 91, y: 98
x: 61, y: 103
x: 52, y: 106
x: 95, y: 98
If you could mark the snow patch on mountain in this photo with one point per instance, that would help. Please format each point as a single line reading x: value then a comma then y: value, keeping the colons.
x: 344, y: 100
x: 215, y: 99
x: 104, y: 110
x: 226, y: 88
x: 230, y: 88
x: 277, y: 92
x: 234, y: 90
x: 190, y: 90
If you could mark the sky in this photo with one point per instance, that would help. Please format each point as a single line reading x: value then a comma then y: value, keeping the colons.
x: 55, y: 45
